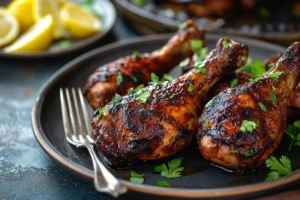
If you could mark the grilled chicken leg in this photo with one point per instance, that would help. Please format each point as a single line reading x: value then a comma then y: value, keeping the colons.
x: 241, y: 127
x: 157, y: 121
x: 135, y: 70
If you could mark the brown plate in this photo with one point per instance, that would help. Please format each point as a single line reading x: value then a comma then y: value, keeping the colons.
x: 200, y: 180
x: 108, y: 12
x: 147, y: 22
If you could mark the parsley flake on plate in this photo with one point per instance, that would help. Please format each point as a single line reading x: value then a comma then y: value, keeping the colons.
x: 281, y: 167
x: 136, y: 178
x: 248, y: 126
x: 173, y: 170
x: 293, y: 130
x: 191, y: 88
x: 262, y: 106
x: 65, y: 44
x: 196, y: 45
x: 143, y: 96
x: 117, y: 98
x: 275, y: 76
x: 162, y: 184
x: 100, y: 112
x: 234, y: 82
x: 119, y: 79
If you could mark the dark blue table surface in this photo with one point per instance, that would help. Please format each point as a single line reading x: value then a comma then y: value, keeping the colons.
x: 26, y: 172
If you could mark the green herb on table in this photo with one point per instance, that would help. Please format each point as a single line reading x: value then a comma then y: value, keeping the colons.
x: 248, y: 126
x: 196, y: 45
x: 275, y: 76
x: 138, y: 2
x: 293, y: 130
x: 200, y: 67
x: 136, y: 178
x: 136, y: 54
x: 225, y: 44
x: 191, y: 88
x: 119, y: 79
x: 117, y: 98
x: 173, y: 170
x: 262, y: 106
x: 143, y: 96
x: 162, y: 184
x: 234, y: 82
x: 100, y: 112
x: 281, y: 167
x: 184, y: 63
x: 65, y: 44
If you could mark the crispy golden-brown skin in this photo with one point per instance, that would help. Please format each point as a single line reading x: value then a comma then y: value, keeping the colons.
x: 130, y: 131
x: 219, y: 136
x: 102, y: 85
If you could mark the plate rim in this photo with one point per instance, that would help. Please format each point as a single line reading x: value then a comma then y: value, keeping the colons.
x: 173, y: 24
x: 87, y: 174
x: 78, y: 45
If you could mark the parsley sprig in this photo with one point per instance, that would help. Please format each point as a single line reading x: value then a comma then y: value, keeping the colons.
x: 136, y: 178
x: 143, y: 96
x: 275, y: 76
x: 248, y: 126
x: 162, y: 184
x: 117, y: 98
x: 119, y: 79
x: 234, y: 82
x: 155, y: 79
x: 293, y: 130
x: 134, y: 90
x: 99, y: 113
x: 173, y: 170
x: 281, y: 167
x: 200, y: 67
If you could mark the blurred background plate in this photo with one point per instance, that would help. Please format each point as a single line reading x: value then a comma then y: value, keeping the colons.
x: 108, y: 15
x: 268, y: 21
x: 199, y: 180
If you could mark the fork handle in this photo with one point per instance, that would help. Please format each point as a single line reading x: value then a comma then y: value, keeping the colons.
x: 104, y: 181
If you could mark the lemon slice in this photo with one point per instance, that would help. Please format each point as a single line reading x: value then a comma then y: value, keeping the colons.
x: 36, y: 38
x: 9, y: 28
x: 22, y: 10
x: 42, y: 8
x: 79, y: 22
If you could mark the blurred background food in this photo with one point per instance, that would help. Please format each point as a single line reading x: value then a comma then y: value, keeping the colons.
x: 32, y: 25
x: 264, y: 19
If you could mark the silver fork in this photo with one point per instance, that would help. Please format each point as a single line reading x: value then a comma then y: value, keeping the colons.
x: 78, y: 133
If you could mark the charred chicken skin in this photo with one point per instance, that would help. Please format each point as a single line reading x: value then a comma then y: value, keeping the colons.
x: 135, y: 70
x: 159, y: 120
x: 241, y: 127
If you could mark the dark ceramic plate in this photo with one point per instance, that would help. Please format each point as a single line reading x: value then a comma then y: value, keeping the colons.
x: 108, y: 13
x: 200, y: 180
x: 148, y: 20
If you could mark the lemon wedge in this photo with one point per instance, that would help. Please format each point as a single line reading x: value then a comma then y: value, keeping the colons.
x: 36, y: 38
x: 22, y: 10
x: 79, y: 22
x: 9, y: 28
x: 42, y: 8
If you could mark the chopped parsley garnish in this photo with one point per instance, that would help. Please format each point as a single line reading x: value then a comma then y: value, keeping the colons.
x: 234, y: 82
x: 143, y: 96
x: 200, y: 67
x: 65, y: 44
x: 201, y: 54
x: 248, y: 126
x: 132, y: 90
x: 256, y: 69
x: 136, y: 54
x: 119, y: 79
x: 225, y: 44
x: 138, y: 2
x: 118, y: 133
x: 196, y: 45
x: 184, y: 63
x: 173, y: 170
x: 234, y: 151
x: 134, y: 79
x: 117, y: 98
x: 273, y: 97
x: 154, y: 79
x: 249, y: 152
x: 206, y: 123
x: 100, y: 112
x: 275, y: 76
x: 191, y: 88
x: 262, y: 106
x: 293, y: 130
x: 136, y: 178
x: 210, y: 102
x: 281, y: 167
x: 167, y: 77
x: 162, y: 184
